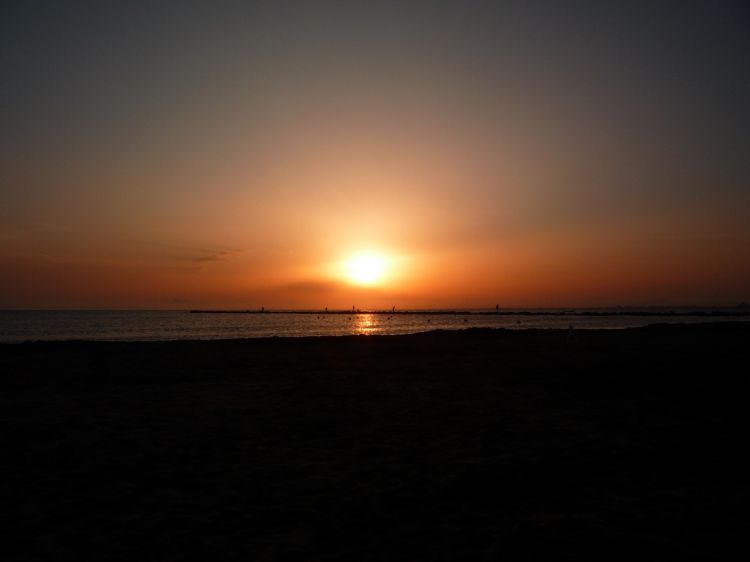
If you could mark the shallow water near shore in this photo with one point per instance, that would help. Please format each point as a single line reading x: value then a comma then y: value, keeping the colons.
x: 19, y: 326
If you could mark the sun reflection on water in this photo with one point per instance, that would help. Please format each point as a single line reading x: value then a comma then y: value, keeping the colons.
x: 365, y: 324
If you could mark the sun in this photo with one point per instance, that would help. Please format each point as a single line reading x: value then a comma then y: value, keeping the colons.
x: 366, y: 269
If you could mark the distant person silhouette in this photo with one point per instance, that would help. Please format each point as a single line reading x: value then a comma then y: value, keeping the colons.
x: 497, y: 309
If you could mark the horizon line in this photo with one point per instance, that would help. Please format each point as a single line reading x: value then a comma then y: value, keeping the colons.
x: 451, y: 310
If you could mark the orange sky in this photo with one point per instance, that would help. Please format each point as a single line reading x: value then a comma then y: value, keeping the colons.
x: 529, y: 166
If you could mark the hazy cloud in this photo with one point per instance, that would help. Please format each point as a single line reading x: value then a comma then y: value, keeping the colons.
x: 221, y: 255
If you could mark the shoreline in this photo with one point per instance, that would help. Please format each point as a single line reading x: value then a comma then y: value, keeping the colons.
x: 467, y: 331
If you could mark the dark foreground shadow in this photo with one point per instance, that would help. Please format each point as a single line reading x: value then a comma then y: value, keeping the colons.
x: 626, y: 445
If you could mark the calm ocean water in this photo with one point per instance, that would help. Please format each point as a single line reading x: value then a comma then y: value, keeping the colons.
x: 19, y: 326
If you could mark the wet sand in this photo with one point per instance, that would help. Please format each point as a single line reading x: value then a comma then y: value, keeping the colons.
x: 472, y: 445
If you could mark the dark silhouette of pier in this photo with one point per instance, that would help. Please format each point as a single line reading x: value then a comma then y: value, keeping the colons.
x: 736, y: 312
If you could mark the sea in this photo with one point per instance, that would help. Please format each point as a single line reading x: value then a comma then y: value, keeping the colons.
x: 117, y: 325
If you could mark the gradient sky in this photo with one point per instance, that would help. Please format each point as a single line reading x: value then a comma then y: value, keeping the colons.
x: 233, y: 154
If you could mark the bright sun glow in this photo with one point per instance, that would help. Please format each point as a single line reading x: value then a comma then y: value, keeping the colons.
x: 366, y: 269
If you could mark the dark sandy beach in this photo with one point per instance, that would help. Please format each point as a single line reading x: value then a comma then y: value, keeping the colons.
x: 483, y: 444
